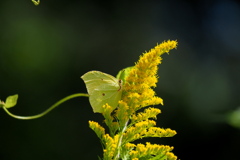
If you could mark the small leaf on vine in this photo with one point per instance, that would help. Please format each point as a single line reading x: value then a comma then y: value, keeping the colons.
x: 36, y: 2
x: 11, y: 101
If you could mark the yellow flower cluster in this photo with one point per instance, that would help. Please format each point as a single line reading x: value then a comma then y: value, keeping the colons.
x: 99, y: 130
x: 145, y: 129
x: 111, y: 144
x: 149, y: 150
x: 146, y: 114
x: 138, y: 92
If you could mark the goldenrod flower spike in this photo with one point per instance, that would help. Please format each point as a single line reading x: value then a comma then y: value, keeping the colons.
x: 127, y: 124
x: 137, y: 89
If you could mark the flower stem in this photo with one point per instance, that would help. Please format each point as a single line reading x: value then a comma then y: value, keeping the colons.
x: 48, y: 110
x: 120, y: 140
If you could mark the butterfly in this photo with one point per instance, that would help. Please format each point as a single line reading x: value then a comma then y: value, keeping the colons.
x: 102, y: 88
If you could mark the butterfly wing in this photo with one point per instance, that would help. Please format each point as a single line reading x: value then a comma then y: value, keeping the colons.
x: 102, y: 88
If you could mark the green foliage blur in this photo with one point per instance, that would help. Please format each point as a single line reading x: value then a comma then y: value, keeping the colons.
x: 46, y: 48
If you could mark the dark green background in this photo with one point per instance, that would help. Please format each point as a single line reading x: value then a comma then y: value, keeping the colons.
x: 45, y: 49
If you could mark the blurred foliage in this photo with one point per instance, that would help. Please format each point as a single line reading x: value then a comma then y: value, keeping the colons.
x: 45, y: 49
x: 234, y: 118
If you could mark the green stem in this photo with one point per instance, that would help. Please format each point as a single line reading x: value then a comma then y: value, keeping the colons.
x: 49, y: 109
x: 120, y: 141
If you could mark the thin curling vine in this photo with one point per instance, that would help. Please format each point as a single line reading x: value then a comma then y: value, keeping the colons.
x: 125, y: 103
x: 11, y: 101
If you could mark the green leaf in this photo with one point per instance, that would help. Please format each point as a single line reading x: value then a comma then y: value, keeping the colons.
x: 234, y: 118
x: 36, y: 2
x: 124, y: 73
x: 11, y: 101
